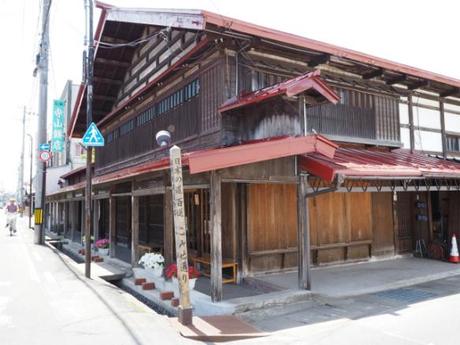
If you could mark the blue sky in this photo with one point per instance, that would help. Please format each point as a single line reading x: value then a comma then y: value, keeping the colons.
x: 419, y: 33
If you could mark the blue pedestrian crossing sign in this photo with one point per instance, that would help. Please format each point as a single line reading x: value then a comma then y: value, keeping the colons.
x: 93, y: 136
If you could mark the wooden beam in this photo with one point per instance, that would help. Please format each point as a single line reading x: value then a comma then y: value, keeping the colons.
x: 443, y: 129
x: 375, y: 73
x: 396, y: 80
x: 216, y: 236
x: 107, y: 81
x: 111, y: 39
x: 112, y: 219
x: 450, y: 92
x: 168, y: 231
x: 411, y: 124
x: 303, y: 235
x: 134, y: 230
x: 320, y: 59
x: 113, y: 63
x: 104, y: 98
x: 418, y: 84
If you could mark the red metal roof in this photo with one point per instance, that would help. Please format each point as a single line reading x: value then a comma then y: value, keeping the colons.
x: 306, y: 82
x: 220, y: 158
x: 72, y: 188
x: 257, y: 152
x: 400, y: 163
x: 73, y: 172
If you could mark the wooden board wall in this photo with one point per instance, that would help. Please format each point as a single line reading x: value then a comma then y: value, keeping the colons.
x: 383, y: 243
x: 272, y: 225
x: 337, y: 220
x: 343, y: 226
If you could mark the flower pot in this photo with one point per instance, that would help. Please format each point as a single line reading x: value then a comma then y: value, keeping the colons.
x: 103, y: 251
x: 191, y: 283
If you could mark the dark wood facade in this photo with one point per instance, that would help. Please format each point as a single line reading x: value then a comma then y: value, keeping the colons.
x: 248, y: 214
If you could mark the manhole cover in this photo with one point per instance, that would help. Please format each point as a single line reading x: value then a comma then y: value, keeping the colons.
x: 406, y: 295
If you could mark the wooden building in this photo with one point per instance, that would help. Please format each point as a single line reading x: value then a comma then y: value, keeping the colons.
x: 292, y: 147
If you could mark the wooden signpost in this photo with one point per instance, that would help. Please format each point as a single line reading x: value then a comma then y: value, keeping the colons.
x: 185, y: 308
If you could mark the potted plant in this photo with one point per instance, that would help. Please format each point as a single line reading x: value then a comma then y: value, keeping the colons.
x: 193, y: 274
x: 102, y: 246
x: 153, y: 262
x: 83, y: 242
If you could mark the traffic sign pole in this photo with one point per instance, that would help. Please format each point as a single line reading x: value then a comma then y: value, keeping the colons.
x: 89, y: 151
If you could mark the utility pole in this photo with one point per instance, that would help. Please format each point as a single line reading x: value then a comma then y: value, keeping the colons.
x: 30, y: 178
x: 40, y: 183
x: 21, y: 170
x: 89, y: 119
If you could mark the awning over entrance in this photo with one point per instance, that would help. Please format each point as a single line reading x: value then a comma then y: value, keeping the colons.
x: 309, y: 83
x: 371, y: 164
x: 226, y: 157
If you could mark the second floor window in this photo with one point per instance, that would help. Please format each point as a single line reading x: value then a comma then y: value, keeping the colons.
x: 453, y: 143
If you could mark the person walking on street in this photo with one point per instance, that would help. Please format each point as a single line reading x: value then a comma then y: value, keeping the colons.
x: 11, y: 214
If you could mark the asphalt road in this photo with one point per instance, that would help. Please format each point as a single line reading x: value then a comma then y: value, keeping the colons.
x: 43, y: 302
x: 424, y: 314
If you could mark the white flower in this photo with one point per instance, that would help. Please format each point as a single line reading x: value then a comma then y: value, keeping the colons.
x: 152, y: 260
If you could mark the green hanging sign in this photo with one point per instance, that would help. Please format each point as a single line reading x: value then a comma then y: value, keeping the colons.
x: 57, y: 139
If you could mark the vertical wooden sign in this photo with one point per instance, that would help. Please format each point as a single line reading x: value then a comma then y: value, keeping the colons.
x: 185, y: 309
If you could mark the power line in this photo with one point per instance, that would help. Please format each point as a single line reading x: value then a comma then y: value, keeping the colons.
x: 108, y: 45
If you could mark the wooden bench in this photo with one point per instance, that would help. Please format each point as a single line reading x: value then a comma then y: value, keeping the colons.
x: 149, y: 249
x: 226, y: 263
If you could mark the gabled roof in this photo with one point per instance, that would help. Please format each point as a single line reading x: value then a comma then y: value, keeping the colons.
x: 309, y: 83
x: 128, y: 24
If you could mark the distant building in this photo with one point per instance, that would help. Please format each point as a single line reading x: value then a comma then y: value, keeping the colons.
x: 73, y: 155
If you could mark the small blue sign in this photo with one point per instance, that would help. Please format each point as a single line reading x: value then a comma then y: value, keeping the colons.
x: 93, y: 136
x: 44, y: 147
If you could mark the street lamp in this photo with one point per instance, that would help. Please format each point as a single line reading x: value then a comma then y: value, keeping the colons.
x: 30, y: 178
x: 163, y: 138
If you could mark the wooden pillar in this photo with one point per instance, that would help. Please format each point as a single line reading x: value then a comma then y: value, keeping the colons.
x: 216, y: 236
x: 134, y: 230
x: 65, y: 217
x: 443, y: 128
x: 243, y: 266
x: 411, y: 124
x: 72, y: 219
x: 96, y: 214
x: 396, y: 223
x: 303, y: 235
x: 83, y: 220
x: 168, y: 231
x: 112, y: 219
x: 58, y: 217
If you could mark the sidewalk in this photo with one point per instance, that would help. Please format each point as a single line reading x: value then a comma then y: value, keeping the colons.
x: 44, y: 301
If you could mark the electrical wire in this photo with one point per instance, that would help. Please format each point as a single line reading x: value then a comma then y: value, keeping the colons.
x: 108, y: 45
